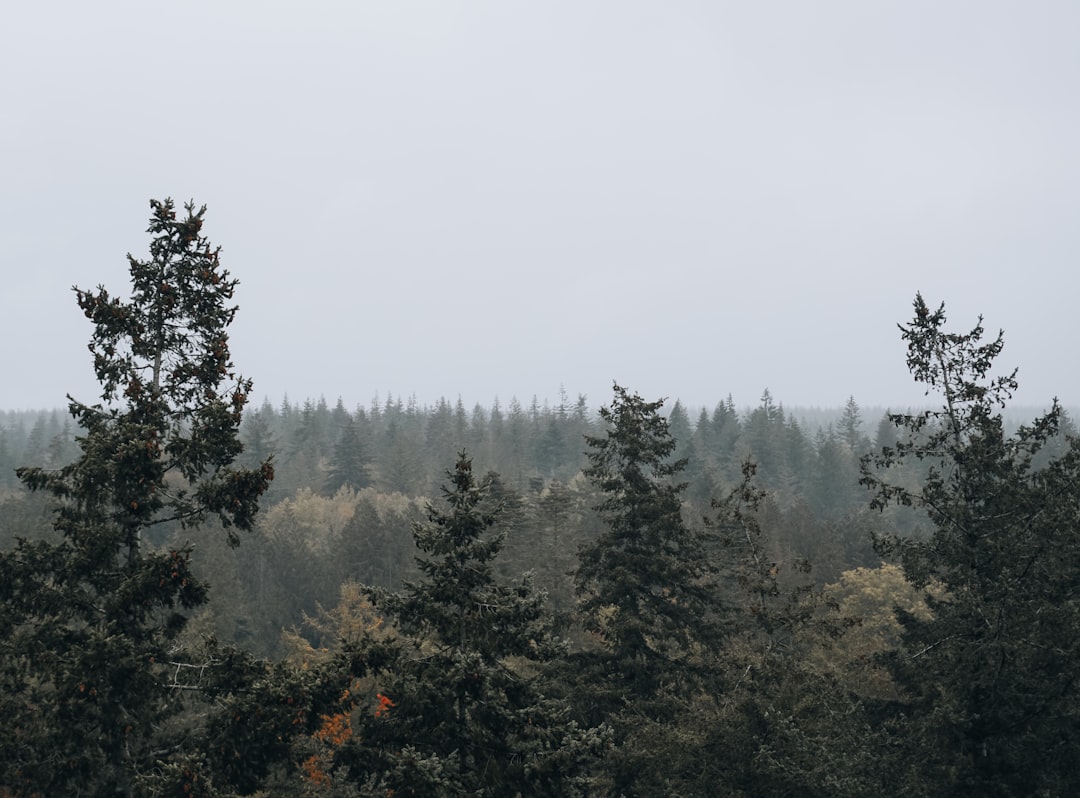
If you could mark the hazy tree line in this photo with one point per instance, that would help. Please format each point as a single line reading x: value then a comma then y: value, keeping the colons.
x: 349, y: 484
x: 200, y: 598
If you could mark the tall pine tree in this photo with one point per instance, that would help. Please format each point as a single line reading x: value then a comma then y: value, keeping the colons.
x: 993, y: 703
x: 86, y: 623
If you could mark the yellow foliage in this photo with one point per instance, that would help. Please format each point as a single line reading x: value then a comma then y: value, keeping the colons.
x: 310, y: 517
x: 352, y: 618
x: 869, y: 597
x: 316, y: 519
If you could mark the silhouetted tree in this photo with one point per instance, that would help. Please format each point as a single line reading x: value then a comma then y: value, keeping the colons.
x: 645, y: 585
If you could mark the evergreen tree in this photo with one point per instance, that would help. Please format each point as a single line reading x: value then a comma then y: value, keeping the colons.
x: 679, y: 427
x: 86, y: 623
x: 441, y: 440
x: 851, y: 429
x: 362, y: 546
x: 833, y: 486
x: 464, y: 709
x: 556, y: 525
x: 993, y: 705
x: 7, y: 461
x: 764, y: 436
x: 349, y: 462
x: 399, y: 467
x: 645, y: 585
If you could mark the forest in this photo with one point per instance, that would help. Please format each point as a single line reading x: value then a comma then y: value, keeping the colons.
x: 205, y: 598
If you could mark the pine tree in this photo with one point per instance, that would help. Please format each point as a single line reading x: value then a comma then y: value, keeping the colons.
x: 994, y: 707
x: 349, y: 461
x: 463, y: 691
x: 645, y: 585
x: 86, y: 623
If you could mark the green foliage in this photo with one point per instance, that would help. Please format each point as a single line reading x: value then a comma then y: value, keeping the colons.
x: 87, y: 621
x: 645, y: 584
x: 467, y: 697
x: 994, y: 707
x: 349, y: 462
x: 708, y: 662
x: 648, y: 595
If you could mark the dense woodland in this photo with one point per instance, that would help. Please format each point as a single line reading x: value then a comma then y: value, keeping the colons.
x: 204, y: 598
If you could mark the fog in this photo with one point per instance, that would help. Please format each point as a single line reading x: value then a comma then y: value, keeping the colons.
x: 496, y: 199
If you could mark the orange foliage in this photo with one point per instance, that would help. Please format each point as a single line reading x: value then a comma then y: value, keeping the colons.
x: 384, y: 705
x: 335, y: 729
x: 314, y: 773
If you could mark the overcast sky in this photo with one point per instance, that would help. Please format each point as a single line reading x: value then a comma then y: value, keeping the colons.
x: 498, y: 198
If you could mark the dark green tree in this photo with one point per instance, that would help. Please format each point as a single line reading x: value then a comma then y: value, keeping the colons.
x: 349, y: 462
x: 467, y: 696
x: 86, y: 622
x: 994, y: 707
x: 645, y: 585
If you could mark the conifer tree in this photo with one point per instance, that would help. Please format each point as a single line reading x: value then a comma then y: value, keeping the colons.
x: 349, y: 462
x: 86, y: 623
x: 464, y: 695
x: 994, y: 707
x: 645, y: 585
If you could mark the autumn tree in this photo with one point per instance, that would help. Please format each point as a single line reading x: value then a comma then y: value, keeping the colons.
x: 86, y: 622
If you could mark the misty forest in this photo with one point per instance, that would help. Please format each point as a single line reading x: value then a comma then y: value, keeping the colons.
x: 203, y: 597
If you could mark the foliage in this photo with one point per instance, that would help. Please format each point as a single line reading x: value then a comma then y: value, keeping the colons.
x: 870, y: 598
x: 349, y: 461
x: 647, y: 593
x: 466, y: 702
x: 645, y: 585
x: 993, y: 707
x: 87, y: 621
x: 707, y: 660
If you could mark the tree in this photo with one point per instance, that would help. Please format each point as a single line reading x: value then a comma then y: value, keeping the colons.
x: 645, y: 585
x: 993, y: 701
x: 87, y: 622
x: 765, y: 436
x: 777, y: 726
x: 851, y: 428
x: 349, y: 462
x: 463, y: 694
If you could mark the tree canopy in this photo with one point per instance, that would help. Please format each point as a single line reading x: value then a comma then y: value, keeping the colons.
x: 625, y: 604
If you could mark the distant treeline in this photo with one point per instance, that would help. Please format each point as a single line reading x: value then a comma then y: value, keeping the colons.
x: 350, y: 484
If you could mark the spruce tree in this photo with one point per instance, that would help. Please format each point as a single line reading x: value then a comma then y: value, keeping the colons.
x: 349, y: 461
x: 464, y: 691
x: 86, y: 622
x: 646, y: 586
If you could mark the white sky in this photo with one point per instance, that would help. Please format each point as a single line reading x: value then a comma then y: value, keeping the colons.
x: 495, y: 198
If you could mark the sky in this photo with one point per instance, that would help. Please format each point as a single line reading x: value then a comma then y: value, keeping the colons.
x: 499, y: 199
